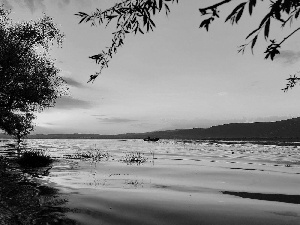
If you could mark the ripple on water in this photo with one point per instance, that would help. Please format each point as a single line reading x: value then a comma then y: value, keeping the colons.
x: 181, y: 179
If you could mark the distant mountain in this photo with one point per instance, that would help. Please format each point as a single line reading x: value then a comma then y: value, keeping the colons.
x: 285, y: 129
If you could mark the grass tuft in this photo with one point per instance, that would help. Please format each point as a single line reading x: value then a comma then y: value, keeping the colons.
x: 94, y: 155
x: 34, y: 158
x: 134, y: 158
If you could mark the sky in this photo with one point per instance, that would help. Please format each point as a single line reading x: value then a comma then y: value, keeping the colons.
x: 178, y: 76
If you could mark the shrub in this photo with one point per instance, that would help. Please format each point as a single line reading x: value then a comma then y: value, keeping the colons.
x: 134, y: 157
x: 34, y: 158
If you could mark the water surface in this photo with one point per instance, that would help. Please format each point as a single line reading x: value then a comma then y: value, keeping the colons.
x: 179, y: 182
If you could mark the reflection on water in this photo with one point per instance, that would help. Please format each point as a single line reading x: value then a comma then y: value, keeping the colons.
x: 137, y: 182
x: 294, y: 199
x: 24, y: 200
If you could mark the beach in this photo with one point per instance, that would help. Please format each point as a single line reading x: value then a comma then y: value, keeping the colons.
x: 179, y: 182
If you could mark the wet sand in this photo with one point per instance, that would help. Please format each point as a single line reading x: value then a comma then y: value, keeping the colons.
x: 180, y: 184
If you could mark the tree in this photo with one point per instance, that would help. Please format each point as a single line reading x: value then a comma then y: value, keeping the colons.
x: 18, y: 125
x: 135, y: 16
x: 29, y: 80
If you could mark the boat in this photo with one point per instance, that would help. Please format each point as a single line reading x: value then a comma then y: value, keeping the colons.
x: 151, y: 139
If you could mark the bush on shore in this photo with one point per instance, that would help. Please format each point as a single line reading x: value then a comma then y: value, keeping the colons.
x: 34, y: 158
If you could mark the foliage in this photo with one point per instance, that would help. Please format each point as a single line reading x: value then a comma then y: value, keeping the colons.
x: 135, y: 16
x: 34, y: 158
x: 18, y: 125
x: 282, y: 11
x: 29, y: 80
x: 131, y: 16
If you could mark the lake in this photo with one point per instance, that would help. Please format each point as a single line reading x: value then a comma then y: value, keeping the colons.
x: 174, y: 181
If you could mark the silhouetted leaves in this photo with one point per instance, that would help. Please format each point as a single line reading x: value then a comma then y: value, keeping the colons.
x: 252, y: 4
x: 267, y: 28
x: 18, y: 125
x: 283, y: 11
x: 272, y: 50
x: 29, y: 78
x: 135, y: 16
x: 206, y: 23
x: 130, y: 16
x: 236, y: 14
x: 253, y: 42
x: 292, y: 81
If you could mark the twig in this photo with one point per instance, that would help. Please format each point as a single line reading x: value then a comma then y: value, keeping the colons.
x: 284, y: 39
x: 214, y: 6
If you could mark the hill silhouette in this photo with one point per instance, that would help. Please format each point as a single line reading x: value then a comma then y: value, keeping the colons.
x: 285, y: 129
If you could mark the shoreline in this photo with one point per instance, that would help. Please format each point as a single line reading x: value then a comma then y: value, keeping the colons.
x: 229, y: 141
x: 24, y: 200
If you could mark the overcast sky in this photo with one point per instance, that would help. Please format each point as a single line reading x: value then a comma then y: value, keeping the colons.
x: 178, y: 76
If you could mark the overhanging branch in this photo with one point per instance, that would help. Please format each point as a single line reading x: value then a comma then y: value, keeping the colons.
x: 284, y: 39
x: 214, y: 6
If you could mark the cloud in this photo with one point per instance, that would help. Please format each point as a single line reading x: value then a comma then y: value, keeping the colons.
x: 223, y: 93
x: 43, y: 130
x: 6, y: 4
x: 83, y: 3
x: 115, y: 120
x: 35, y: 5
x: 288, y: 56
x: 66, y: 102
x: 73, y: 82
x: 63, y: 3
x: 267, y: 119
x: 50, y: 124
x: 98, y: 115
x: 32, y: 5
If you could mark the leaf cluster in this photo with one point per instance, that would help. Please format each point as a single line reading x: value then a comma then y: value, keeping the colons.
x: 29, y: 79
x: 131, y: 16
x: 282, y: 11
x: 15, y: 124
x: 135, y: 16
x: 292, y: 81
